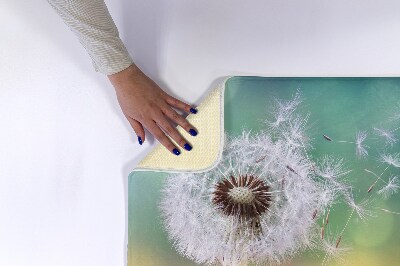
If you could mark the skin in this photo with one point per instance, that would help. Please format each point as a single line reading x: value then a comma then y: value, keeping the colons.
x: 146, y: 105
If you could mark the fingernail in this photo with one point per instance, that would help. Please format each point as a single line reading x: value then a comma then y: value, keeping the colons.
x: 187, y: 147
x: 192, y: 132
x: 193, y: 110
x: 140, y: 140
x: 176, y: 152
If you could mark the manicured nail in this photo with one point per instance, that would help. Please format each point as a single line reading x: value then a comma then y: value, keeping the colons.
x: 192, y: 132
x: 187, y: 147
x: 140, y: 140
x: 193, y: 110
x: 176, y: 152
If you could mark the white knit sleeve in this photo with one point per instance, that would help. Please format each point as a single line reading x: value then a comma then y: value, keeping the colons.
x: 91, y: 21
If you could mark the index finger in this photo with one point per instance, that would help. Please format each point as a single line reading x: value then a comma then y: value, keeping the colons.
x: 180, y: 105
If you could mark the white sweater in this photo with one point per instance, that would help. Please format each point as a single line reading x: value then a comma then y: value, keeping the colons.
x: 91, y: 21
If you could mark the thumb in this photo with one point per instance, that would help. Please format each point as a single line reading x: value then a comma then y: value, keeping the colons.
x: 138, y: 128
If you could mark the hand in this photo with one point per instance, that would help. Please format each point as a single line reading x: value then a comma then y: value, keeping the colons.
x: 144, y: 103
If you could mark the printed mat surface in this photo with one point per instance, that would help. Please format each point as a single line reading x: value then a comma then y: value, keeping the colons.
x: 284, y: 171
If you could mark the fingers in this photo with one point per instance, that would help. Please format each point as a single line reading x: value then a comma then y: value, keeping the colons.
x: 138, y: 128
x: 177, y: 118
x: 161, y: 137
x: 163, y: 122
x: 179, y: 104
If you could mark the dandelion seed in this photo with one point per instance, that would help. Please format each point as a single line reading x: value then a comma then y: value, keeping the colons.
x: 294, y: 131
x: 330, y: 167
x: 338, y: 242
x: 327, y: 138
x: 314, y: 214
x: 396, y: 116
x: 283, y: 182
x: 390, y: 188
x: 332, y: 250
x: 291, y: 169
x: 390, y: 159
x: 260, y: 159
x: 291, y: 105
x: 283, y: 109
x: 360, y: 208
x: 377, y: 178
x: 388, y: 135
x: 333, y: 171
x: 370, y: 188
x: 344, y: 228
x: 361, y: 149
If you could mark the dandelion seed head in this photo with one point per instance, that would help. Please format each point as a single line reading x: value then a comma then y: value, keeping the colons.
x: 245, y: 196
x: 208, y: 214
x: 261, y: 202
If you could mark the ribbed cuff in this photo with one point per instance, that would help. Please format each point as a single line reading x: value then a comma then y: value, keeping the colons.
x: 111, y: 57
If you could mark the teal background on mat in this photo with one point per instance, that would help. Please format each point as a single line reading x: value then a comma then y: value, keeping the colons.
x: 338, y: 107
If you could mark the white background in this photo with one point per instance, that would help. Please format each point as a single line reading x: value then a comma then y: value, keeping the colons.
x: 65, y: 148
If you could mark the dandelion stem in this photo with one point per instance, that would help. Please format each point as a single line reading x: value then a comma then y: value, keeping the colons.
x: 327, y: 217
x: 347, y: 222
x: 341, y: 234
x: 385, y: 210
x: 345, y: 141
x: 323, y: 261
x: 223, y: 174
x: 275, y: 191
x: 378, y: 178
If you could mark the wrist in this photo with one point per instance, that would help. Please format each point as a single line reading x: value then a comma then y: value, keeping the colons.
x: 127, y: 74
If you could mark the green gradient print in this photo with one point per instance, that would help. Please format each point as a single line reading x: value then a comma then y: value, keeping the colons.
x: 339, y: 108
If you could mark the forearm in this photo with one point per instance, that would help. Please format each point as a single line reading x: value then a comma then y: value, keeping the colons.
x: 92, y: 23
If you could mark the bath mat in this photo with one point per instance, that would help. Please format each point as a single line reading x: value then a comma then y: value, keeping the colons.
x: 284, y: 171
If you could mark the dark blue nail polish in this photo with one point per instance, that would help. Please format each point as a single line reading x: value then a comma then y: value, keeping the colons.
x: 192, y: 132
x: 187, y: 147
x: 140, y: 140
x: 193, y: 111
x: 176, y: 152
